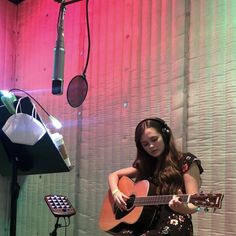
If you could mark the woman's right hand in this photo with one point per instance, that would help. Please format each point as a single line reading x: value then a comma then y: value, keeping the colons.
x: 120, y: 199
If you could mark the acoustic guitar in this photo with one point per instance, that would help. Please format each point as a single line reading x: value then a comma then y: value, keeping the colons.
x: 142, y: 207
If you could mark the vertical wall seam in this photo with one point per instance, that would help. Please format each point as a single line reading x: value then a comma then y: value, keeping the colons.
x: 186, y: 74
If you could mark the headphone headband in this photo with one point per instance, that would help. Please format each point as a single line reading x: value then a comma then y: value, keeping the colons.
x: 164, y: 127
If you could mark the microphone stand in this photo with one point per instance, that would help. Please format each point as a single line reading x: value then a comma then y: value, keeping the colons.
x: 15, y: 189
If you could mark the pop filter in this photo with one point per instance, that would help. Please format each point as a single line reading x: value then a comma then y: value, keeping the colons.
x: 77, y: 90
x: 78, y: 86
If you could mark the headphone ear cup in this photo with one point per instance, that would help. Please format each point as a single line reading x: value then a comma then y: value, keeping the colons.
x: 166, y: 134
x: 165, y: 130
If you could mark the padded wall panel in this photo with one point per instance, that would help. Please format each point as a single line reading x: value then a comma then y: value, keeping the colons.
x: 141, y: 64
x: 211, y: 123
x: 8, y: 13
x: 8, y: 32
x: 35, y: 41
x: 136, y: 71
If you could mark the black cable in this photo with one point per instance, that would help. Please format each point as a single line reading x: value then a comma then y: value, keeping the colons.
x: 21, y: 90
x: 65, y: 224
x: 88, y: 32
x: 62, y: 8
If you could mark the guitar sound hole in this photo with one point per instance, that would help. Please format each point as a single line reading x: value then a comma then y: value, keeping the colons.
x: 130, y: 202
x: 120, y: 214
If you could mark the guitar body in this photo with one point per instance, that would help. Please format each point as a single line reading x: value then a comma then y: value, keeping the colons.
x: 136, y: 218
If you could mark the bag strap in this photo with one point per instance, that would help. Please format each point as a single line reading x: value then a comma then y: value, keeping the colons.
x: 34, y: 111
x: 18, y: 106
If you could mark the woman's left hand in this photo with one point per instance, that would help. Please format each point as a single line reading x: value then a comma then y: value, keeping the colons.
x: 175, y: 202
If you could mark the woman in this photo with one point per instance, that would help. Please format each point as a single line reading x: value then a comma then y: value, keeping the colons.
x: 170, y: 170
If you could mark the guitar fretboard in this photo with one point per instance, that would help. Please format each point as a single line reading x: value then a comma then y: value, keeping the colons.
x: 159, y: 200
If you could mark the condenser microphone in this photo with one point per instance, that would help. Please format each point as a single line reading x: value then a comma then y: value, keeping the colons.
x: 59, y: 57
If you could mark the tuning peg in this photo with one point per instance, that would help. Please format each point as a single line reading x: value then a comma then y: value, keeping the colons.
x: 206, y: 209
x: 198, y: 209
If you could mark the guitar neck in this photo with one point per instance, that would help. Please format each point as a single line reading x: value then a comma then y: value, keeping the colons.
x: 159, y: 199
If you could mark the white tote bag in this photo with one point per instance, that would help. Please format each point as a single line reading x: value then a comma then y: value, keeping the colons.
x: 22, y: 128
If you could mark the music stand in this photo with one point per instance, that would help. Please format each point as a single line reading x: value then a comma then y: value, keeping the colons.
x: 60, y: 206
x: 19, y: 159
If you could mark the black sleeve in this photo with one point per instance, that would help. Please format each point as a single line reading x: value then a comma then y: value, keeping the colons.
x: 187, y: 160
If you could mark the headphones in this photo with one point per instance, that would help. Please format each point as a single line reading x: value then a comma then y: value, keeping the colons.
x: 165, y: 130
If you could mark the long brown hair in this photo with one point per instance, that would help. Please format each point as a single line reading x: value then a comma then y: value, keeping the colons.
x: 165, y: 170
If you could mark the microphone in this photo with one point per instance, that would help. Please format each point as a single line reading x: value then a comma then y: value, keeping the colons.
x: 59, y: 57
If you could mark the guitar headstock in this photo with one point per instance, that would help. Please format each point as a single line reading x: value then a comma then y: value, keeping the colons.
x: 212, y: 200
